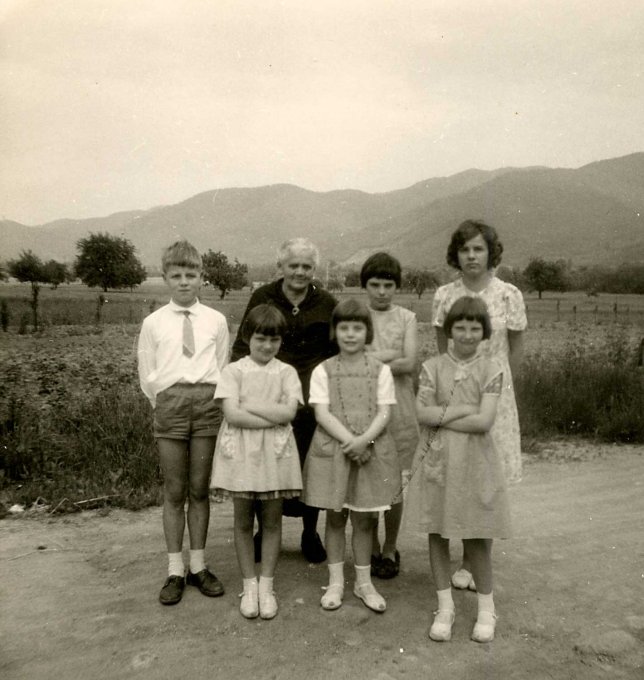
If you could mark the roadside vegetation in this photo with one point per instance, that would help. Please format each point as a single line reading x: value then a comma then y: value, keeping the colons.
x: 75, y: 430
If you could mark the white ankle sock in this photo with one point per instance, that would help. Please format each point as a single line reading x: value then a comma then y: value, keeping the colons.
x: 336, y: 574
x: 175, y: 564
x: 445, y: 601
x: 363, y: 575
x: 250, y: 584
x: 486, y: 602
x: 197, y: 561
x: 265, y: 584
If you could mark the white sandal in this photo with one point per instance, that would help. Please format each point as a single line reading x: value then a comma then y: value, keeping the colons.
x: 370, y: 596
x: 484, y: 627
x: 332, y: 598
x: 249, y: 605
x: 268, y: 605
x: 441, y: 630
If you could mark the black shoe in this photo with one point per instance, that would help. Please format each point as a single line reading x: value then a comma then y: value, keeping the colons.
x: 312, y: 547
x: 172, y: 590
x: 257, y: 546
x: 388, y: 568
x: 207, y: 583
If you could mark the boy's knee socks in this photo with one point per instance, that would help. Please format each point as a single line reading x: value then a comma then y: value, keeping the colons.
x: 197, y: 561
x: 175, y: 564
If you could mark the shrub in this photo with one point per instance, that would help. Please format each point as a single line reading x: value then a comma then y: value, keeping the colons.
x: 592, y: 389
x: 74, y: 426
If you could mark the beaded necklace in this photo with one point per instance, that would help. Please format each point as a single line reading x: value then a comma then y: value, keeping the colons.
x: 351, y: 426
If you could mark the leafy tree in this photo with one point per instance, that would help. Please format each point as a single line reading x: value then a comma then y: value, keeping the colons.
x: 352, y: 278
x: 543, y: 275
x: 3, y: 273
x: 56, y: 273
x: 29, y: 268
x: 334, y: 277
x: 510, y: 275
x: 107, y: 261
x: 222, y: 274
x: 419, y: 280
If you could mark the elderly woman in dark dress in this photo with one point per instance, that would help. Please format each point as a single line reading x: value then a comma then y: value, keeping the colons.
x: 307, y: 309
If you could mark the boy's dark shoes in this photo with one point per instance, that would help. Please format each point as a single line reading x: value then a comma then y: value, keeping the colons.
x: 312, y: 547
x: 172, y: 590
x: 207, y: 583
x: 257, y: 546
x: 375, y: 564
x: 388, y: 568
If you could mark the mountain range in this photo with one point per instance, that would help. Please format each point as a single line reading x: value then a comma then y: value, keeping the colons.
x: 589, y: 215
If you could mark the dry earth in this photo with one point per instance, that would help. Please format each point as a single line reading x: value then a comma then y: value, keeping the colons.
x: 79, y: 595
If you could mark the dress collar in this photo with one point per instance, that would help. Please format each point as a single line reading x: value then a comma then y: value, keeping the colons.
x: 464, y: 366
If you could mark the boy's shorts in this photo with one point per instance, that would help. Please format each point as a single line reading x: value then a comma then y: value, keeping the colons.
x: 184, y: 411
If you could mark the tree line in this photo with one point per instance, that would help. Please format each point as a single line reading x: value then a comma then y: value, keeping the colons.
x: 110, y: 262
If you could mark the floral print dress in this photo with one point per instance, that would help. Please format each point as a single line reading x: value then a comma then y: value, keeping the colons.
x: 507, y: 313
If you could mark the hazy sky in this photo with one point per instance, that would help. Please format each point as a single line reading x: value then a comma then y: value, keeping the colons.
x: 111, y: 105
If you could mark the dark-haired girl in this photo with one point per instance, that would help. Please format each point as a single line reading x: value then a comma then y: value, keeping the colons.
x: 352, y: 467
x: 256, y: 459
x: 459, y: 489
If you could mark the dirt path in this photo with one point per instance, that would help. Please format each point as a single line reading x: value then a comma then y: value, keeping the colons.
x: 78, y: 597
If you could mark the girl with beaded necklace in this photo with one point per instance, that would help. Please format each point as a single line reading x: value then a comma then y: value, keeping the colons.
x: 352, y: 466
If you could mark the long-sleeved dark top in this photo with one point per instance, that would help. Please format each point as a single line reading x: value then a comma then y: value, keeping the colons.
x: 307, y: 341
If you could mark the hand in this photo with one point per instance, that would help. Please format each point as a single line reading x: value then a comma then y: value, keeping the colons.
x: 354, y: 447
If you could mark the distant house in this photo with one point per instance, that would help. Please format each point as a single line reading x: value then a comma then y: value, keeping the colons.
x: 256, y: 284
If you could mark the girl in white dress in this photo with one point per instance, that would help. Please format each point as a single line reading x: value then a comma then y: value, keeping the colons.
x: 256, y: 460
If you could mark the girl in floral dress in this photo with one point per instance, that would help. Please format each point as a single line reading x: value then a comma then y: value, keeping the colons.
x: 475, y: 250
x: 351, y: 467
x: 458, y: 490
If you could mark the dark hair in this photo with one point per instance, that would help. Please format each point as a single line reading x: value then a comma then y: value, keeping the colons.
x: 381, y: 266
x: 471, y: 229
x: 471, y: 309
x: 264, y: 319
x: 352, y: 310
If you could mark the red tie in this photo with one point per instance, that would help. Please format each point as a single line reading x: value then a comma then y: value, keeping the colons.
x: 188, y: 336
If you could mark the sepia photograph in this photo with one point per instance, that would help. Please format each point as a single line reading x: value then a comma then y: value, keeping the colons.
x: 322, y: 339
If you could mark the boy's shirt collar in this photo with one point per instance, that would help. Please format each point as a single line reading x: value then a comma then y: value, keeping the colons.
x: 193, y: 309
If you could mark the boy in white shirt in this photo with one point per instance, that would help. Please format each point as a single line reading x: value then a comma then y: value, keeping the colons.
x: 182, y: 348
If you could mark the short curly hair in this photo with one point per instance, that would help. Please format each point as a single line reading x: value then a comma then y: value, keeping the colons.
x: 298, y: 246
x: 381, y: 266
x: 471, y: 229
x: 352, y: 310
x: 471, y: 309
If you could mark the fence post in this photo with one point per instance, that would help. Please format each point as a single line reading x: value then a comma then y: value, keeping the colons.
x: 558, y: 310
x: 640, y: 370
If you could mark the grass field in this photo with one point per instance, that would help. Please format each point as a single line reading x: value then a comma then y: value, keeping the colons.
x: 73, y: 304
x: 75, y: 429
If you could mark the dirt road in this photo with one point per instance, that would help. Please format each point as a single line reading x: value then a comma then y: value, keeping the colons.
x: 78, y: 596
